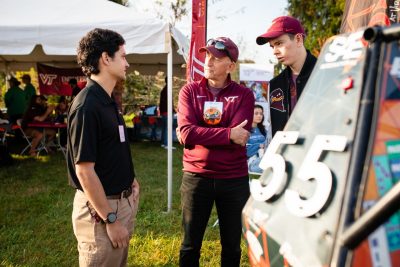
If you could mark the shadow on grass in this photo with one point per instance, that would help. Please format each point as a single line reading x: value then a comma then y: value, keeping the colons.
x: 36, y: 229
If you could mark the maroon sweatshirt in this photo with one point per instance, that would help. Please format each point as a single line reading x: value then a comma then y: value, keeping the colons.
x: 208, y: 150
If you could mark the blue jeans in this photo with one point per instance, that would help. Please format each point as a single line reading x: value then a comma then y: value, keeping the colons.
x: 253, y: 164
x: 164, y: 130
x: 198, y: 197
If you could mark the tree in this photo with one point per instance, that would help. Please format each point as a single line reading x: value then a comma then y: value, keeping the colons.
x: 178, y: 8
x: 140, y: 90
x: 321, y: 20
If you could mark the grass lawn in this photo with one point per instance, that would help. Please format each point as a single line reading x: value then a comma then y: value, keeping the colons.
x: 36, y: 206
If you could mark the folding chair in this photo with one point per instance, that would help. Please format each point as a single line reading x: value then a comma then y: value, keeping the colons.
x: 27, y: 138
x: 5, y: 130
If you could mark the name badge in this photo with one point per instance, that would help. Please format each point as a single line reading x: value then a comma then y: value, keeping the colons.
x: 212, y: 112
x: 121, y: 133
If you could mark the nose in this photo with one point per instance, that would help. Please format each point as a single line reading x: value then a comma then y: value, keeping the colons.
x: 275, y: 50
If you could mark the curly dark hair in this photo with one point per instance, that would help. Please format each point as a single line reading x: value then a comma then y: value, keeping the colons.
x: 93, y: 44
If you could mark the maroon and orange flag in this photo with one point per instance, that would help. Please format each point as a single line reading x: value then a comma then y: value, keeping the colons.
x: 195, y: 64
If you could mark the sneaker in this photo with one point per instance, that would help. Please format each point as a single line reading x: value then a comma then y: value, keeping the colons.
x: 163, y: 145
x: 166, y: 147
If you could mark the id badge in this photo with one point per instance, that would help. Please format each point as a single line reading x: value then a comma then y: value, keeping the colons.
x: 212, y: 112
x: 121, y: 133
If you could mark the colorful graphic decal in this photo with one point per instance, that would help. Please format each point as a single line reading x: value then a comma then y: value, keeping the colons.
x: 212, y: 112
x: 384, y: 170
x: 276, y: 100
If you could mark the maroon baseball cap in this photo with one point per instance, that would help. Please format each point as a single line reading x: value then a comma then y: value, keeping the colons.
x: 222, y: 47
x: 280, y: 25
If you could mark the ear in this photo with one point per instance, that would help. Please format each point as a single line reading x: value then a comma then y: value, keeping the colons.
x: 299, y: 38
x: 105, y: 59
x: 231, y: 67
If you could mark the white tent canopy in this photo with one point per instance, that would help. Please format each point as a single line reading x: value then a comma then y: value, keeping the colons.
x: 48, y: 31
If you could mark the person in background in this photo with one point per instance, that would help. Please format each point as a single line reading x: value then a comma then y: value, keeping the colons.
x: 99, y: 160
x: 61, y: 110
x: 29, y: 89
x: 258, y: 141
x: 61, y: 115
x: 15, y: 100
x: 38, y: 111
x: 75, y: 88
x: 3, y: 119
x: 163, y: 108
x: 214, y: 119
x: 286, y: 37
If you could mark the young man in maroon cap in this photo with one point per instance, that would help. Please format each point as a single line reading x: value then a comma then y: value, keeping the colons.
x: 286, y: 37
x: 214, y: 120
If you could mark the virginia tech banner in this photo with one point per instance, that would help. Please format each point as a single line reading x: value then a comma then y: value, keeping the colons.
x: 366, y: 13
x: 195, y: 64
x: 54, y: 81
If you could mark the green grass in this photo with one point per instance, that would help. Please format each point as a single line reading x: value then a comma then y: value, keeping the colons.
x: 36, y: 206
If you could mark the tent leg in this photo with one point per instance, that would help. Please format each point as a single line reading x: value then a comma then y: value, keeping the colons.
x: 170, y: 128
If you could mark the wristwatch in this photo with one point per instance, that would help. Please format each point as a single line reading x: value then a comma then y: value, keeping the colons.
x: 111, y: 217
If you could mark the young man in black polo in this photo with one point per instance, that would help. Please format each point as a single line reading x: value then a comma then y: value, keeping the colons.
x: 286, y: 37
x: 99, y: 158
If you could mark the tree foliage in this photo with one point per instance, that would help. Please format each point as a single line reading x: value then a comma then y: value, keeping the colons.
x: 321, y: 20
x: 141, y: 90
x: 178, y: 8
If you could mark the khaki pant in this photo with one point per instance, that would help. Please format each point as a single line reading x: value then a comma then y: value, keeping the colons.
x: 94, y: 245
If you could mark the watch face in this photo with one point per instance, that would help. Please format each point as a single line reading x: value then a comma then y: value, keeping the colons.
x: 111, y: 217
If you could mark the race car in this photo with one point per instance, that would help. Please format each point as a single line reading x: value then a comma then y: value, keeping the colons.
x: 329, y: 193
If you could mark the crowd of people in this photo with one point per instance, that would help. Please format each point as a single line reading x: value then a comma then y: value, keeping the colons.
x: 25, y: 107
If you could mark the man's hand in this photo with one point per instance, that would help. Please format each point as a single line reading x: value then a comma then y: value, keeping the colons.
x: 239, y: 135
x: 118, y: 234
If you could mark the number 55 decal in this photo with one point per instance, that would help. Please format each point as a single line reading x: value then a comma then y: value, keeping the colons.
x: 311, y: 168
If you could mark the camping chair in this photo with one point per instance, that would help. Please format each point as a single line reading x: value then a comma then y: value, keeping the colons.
x: 26, y: 137
x: 5, y: 130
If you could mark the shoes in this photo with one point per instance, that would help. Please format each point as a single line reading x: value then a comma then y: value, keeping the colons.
x: 33, y: 153
x: 166, y: 147
x: 163, y: 146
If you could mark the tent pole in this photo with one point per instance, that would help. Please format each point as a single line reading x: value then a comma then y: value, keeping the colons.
x: 169, y: 121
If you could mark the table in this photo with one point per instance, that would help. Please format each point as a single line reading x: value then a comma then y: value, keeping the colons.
x: 50, y: 125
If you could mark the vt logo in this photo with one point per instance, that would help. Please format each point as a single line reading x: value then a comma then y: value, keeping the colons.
x: 47, y: 79
x: 230, y: 99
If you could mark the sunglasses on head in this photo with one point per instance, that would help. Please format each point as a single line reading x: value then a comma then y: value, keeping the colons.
x: 220, y: 46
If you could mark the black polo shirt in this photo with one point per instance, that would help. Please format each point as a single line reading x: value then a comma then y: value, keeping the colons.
x: 94, y: 136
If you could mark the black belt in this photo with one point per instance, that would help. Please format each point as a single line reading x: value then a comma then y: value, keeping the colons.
x: 124, y: 194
